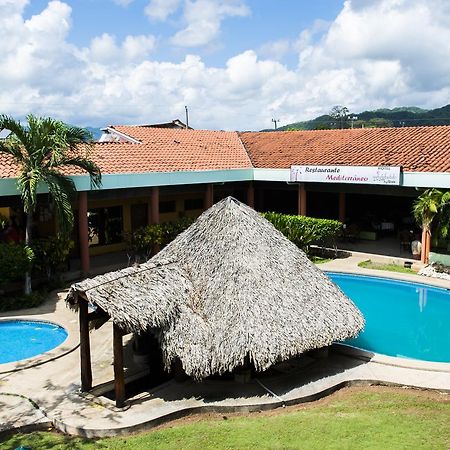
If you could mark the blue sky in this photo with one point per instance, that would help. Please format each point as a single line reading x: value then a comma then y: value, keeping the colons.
x: 266, y: 21
x: 235, y: 63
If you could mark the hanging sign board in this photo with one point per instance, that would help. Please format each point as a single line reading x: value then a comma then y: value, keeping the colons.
x: 386, y: 175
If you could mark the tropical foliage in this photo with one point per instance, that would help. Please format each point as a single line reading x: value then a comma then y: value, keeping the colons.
x: 142, y: 242
x: 43, y: 149
x: 304, y: 231
x: 16, y: 259
x: 432, y: 212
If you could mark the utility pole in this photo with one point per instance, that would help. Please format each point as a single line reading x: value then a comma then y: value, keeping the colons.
x: 187, y: 117
x: 275, y: 121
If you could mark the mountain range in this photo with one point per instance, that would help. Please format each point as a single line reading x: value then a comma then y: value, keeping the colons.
x: 405, y: 116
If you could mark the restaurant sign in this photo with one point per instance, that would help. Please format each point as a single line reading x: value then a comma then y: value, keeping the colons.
x: 386, y: 175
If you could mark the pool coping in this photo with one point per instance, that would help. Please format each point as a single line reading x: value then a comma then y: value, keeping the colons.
x: 69, y: 344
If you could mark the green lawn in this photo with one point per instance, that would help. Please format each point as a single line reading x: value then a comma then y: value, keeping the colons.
x: 320, y: 260
x: 389, y: 267
x: 360, y: 418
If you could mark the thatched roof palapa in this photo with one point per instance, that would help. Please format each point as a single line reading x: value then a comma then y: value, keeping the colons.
x: 229, y: 286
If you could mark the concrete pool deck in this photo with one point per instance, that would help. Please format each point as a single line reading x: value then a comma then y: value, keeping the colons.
x: 48, y: 393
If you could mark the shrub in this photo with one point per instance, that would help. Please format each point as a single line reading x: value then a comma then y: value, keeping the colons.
x: 16, y: 259
x: 22, y: 301
x: 142, y: 241
x: 50, y: 254
x: 304, y: 231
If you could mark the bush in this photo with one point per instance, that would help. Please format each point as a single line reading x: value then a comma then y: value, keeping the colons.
x: 22, y: 301
x: 304, y: 231
x: 50, y: 254
x: 16, y: 259
x: 142, y: 241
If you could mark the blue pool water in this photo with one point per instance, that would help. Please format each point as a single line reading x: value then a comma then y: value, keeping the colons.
x: 21, y: 339
x: 408, y: 320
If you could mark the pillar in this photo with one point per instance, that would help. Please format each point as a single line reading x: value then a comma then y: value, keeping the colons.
x: 85, y: 347
x: 251, y: 195
x: 154, y: 206
x: 301, y: 200
x: 209, y: 197
x: 342, y: 212
x: 119, y: 377
x: 83, y: 231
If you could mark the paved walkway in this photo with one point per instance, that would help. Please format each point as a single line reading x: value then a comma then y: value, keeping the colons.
x: 53, y: 386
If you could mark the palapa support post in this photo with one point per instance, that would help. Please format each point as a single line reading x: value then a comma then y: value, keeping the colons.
x: 83, y: 232
x: 301, y: 199
x: 342, y: 212
x: 85, y: 348
x: 209, y: 197
x: 119, y: 378
x: 251, y: 195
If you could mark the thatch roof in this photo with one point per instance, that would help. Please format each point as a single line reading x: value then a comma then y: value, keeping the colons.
x: 229, y: 286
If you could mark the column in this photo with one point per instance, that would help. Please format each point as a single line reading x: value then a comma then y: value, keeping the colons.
x: 209, y: 196
x: 119, y: 378
x: 251, y: 195
x: 342, y: 212
x: 85, y: 347
x: 154, y: 206
x: 301, y: 200
x: 83, y: 231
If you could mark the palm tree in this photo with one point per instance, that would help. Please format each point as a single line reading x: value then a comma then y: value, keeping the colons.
x: 44, y: 149
x: 430, y: 205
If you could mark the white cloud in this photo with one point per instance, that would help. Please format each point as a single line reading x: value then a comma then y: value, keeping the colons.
x: 105, y: 50
x: 161, y: 9
x: 203, y: 20
x: 375, y: 54
x: 275, y: 49
x: 124, y: 3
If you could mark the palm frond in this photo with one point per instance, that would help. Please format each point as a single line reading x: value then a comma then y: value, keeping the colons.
x: 61, y: 190
x: 87, y: 165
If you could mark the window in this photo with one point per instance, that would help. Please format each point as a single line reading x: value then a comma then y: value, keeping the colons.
x: 167, y: 206
x: 193, y: 203
x: 105, y: 225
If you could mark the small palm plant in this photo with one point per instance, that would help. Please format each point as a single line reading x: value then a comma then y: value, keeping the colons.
x: 45, y: 150
x: 432, y: 207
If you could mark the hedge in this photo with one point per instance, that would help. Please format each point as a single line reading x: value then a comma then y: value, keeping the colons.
x: 304, y: 231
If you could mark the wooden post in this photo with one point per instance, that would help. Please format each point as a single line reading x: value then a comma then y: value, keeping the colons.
x: 83, y: 231
x: 85, y: 348
x: 251, y: 195
x: 209, y: 197
x: 342, y: 211
x: 301, y: 200
x: 119, y: 378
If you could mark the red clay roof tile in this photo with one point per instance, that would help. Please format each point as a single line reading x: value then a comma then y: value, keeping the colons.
x: 416, y: 149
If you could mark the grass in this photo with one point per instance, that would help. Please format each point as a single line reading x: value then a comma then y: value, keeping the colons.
x: 357, y: 418
x: 389, y: 267
x: 320, y: 260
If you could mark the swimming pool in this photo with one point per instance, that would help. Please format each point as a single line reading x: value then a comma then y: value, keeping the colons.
x: 21, y: 339
x: 403, y: 319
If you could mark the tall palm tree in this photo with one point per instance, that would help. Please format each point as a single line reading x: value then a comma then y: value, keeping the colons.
x: 42, y: 149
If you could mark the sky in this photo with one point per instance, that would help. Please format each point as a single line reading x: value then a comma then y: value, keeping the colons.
x: 236, y: 64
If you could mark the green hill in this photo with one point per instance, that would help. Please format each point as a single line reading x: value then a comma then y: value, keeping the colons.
x: 405, y: 116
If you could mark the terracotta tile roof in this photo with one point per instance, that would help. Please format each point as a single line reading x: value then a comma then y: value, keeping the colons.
x: 164, y: 150
x: 416, y: 149
x: 8, y: 169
